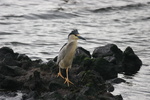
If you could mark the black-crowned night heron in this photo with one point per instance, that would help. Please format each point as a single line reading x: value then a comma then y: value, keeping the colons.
x: 67, y: 53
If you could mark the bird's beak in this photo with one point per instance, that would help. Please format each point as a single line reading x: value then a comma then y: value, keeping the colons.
x: 81, y: 37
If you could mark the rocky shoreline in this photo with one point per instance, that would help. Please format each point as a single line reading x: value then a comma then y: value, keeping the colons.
x: 92, y: 75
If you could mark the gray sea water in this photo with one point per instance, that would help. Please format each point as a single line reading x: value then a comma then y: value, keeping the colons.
x: 39, y: 28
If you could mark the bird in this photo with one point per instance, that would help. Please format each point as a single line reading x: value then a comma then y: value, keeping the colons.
x: 66, y: 54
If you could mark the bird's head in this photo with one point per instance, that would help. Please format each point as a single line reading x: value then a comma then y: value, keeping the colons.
x: 74, y: 35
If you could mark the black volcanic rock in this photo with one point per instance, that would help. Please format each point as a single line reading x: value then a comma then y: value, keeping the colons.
x: 89, y: 74
x: 111, y: 53
x: 9, y: 83
x: 131, y: 62
x: 80, y: 55
x: 36, y: 83
x: 12, y: 70
x: 107, y: 70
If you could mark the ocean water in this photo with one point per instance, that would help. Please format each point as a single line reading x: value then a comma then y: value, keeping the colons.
x: 39, y: 28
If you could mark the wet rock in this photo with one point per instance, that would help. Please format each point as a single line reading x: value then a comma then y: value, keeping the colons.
x: 82, y: 51
x: 6, y: 94
x: 9, y: 83
x: 109, y: 96
x: 49, y: 66
x: 41, y: 81
x: 104, y: 68
x: 23, y: 57
x: 5, y: 50
x: 80, y: 55
x: 31, y: 95
x: 110, y: 52
x: 110, y: 87
x: 118, y: 97
x: 24, y: 61
x: 12, y: 70
x: 87, y: 90
x: 93, y: 83
x: 117, y: 80
x: 131, y: 62
x: 57, y: 83
x: 36, y: 83
x: 52, y: 96
x: 75, y: 96
x: 26, y: 65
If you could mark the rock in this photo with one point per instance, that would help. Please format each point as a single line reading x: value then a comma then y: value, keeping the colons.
x: 9, y: 83
x: 35, y: 83
x: 104, y: 68
x: 110, y: 87
x: 75, y: 96
x: 131, y: 62
x: 117, y: 80
x: 80, y: 55
x: 118, y: 97
x: 23, y: 57
x: 49, y: 67
x: 93, y: 83
x: 5, y: 50
x: 26, y: 65
x: 40, y: 82
x: 12, y: 70
x: 57, y: 83
x: 25, y: 61
x: 109, y: 96
x: 87, y: 90
x: 52, y: 96
x: 110, y: 52
x: 32, y: 95
x: 82, y: 51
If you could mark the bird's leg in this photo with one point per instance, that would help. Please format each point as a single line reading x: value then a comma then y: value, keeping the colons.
x: 67, y: 79
x: 59, y: 74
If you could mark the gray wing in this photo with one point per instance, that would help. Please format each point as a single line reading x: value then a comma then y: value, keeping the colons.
x: 62, y: 53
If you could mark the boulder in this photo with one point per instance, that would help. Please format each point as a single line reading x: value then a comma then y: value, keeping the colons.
x: 4, y: 51
x: 131, y: 62
x: 82, y: 51
x: 80, y: 55
x: 106, y: 69
x: 110, y: 52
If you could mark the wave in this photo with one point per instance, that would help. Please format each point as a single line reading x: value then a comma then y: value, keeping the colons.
x: 7, y: 33
x: 7, y: 23
x: 146, y: 18
x: 13, y: 16
x: 18, y: 43
x: 126, y: 7
x: 51, y: 15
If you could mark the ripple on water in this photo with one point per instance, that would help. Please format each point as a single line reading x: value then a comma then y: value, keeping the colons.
x: 51, y: 15
x: 125, y: 7
x: 17, y: 44
x: 7, y: 33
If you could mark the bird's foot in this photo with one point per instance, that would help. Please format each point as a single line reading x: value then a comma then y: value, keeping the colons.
x: 59, y: 74
x: 67, y: 81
